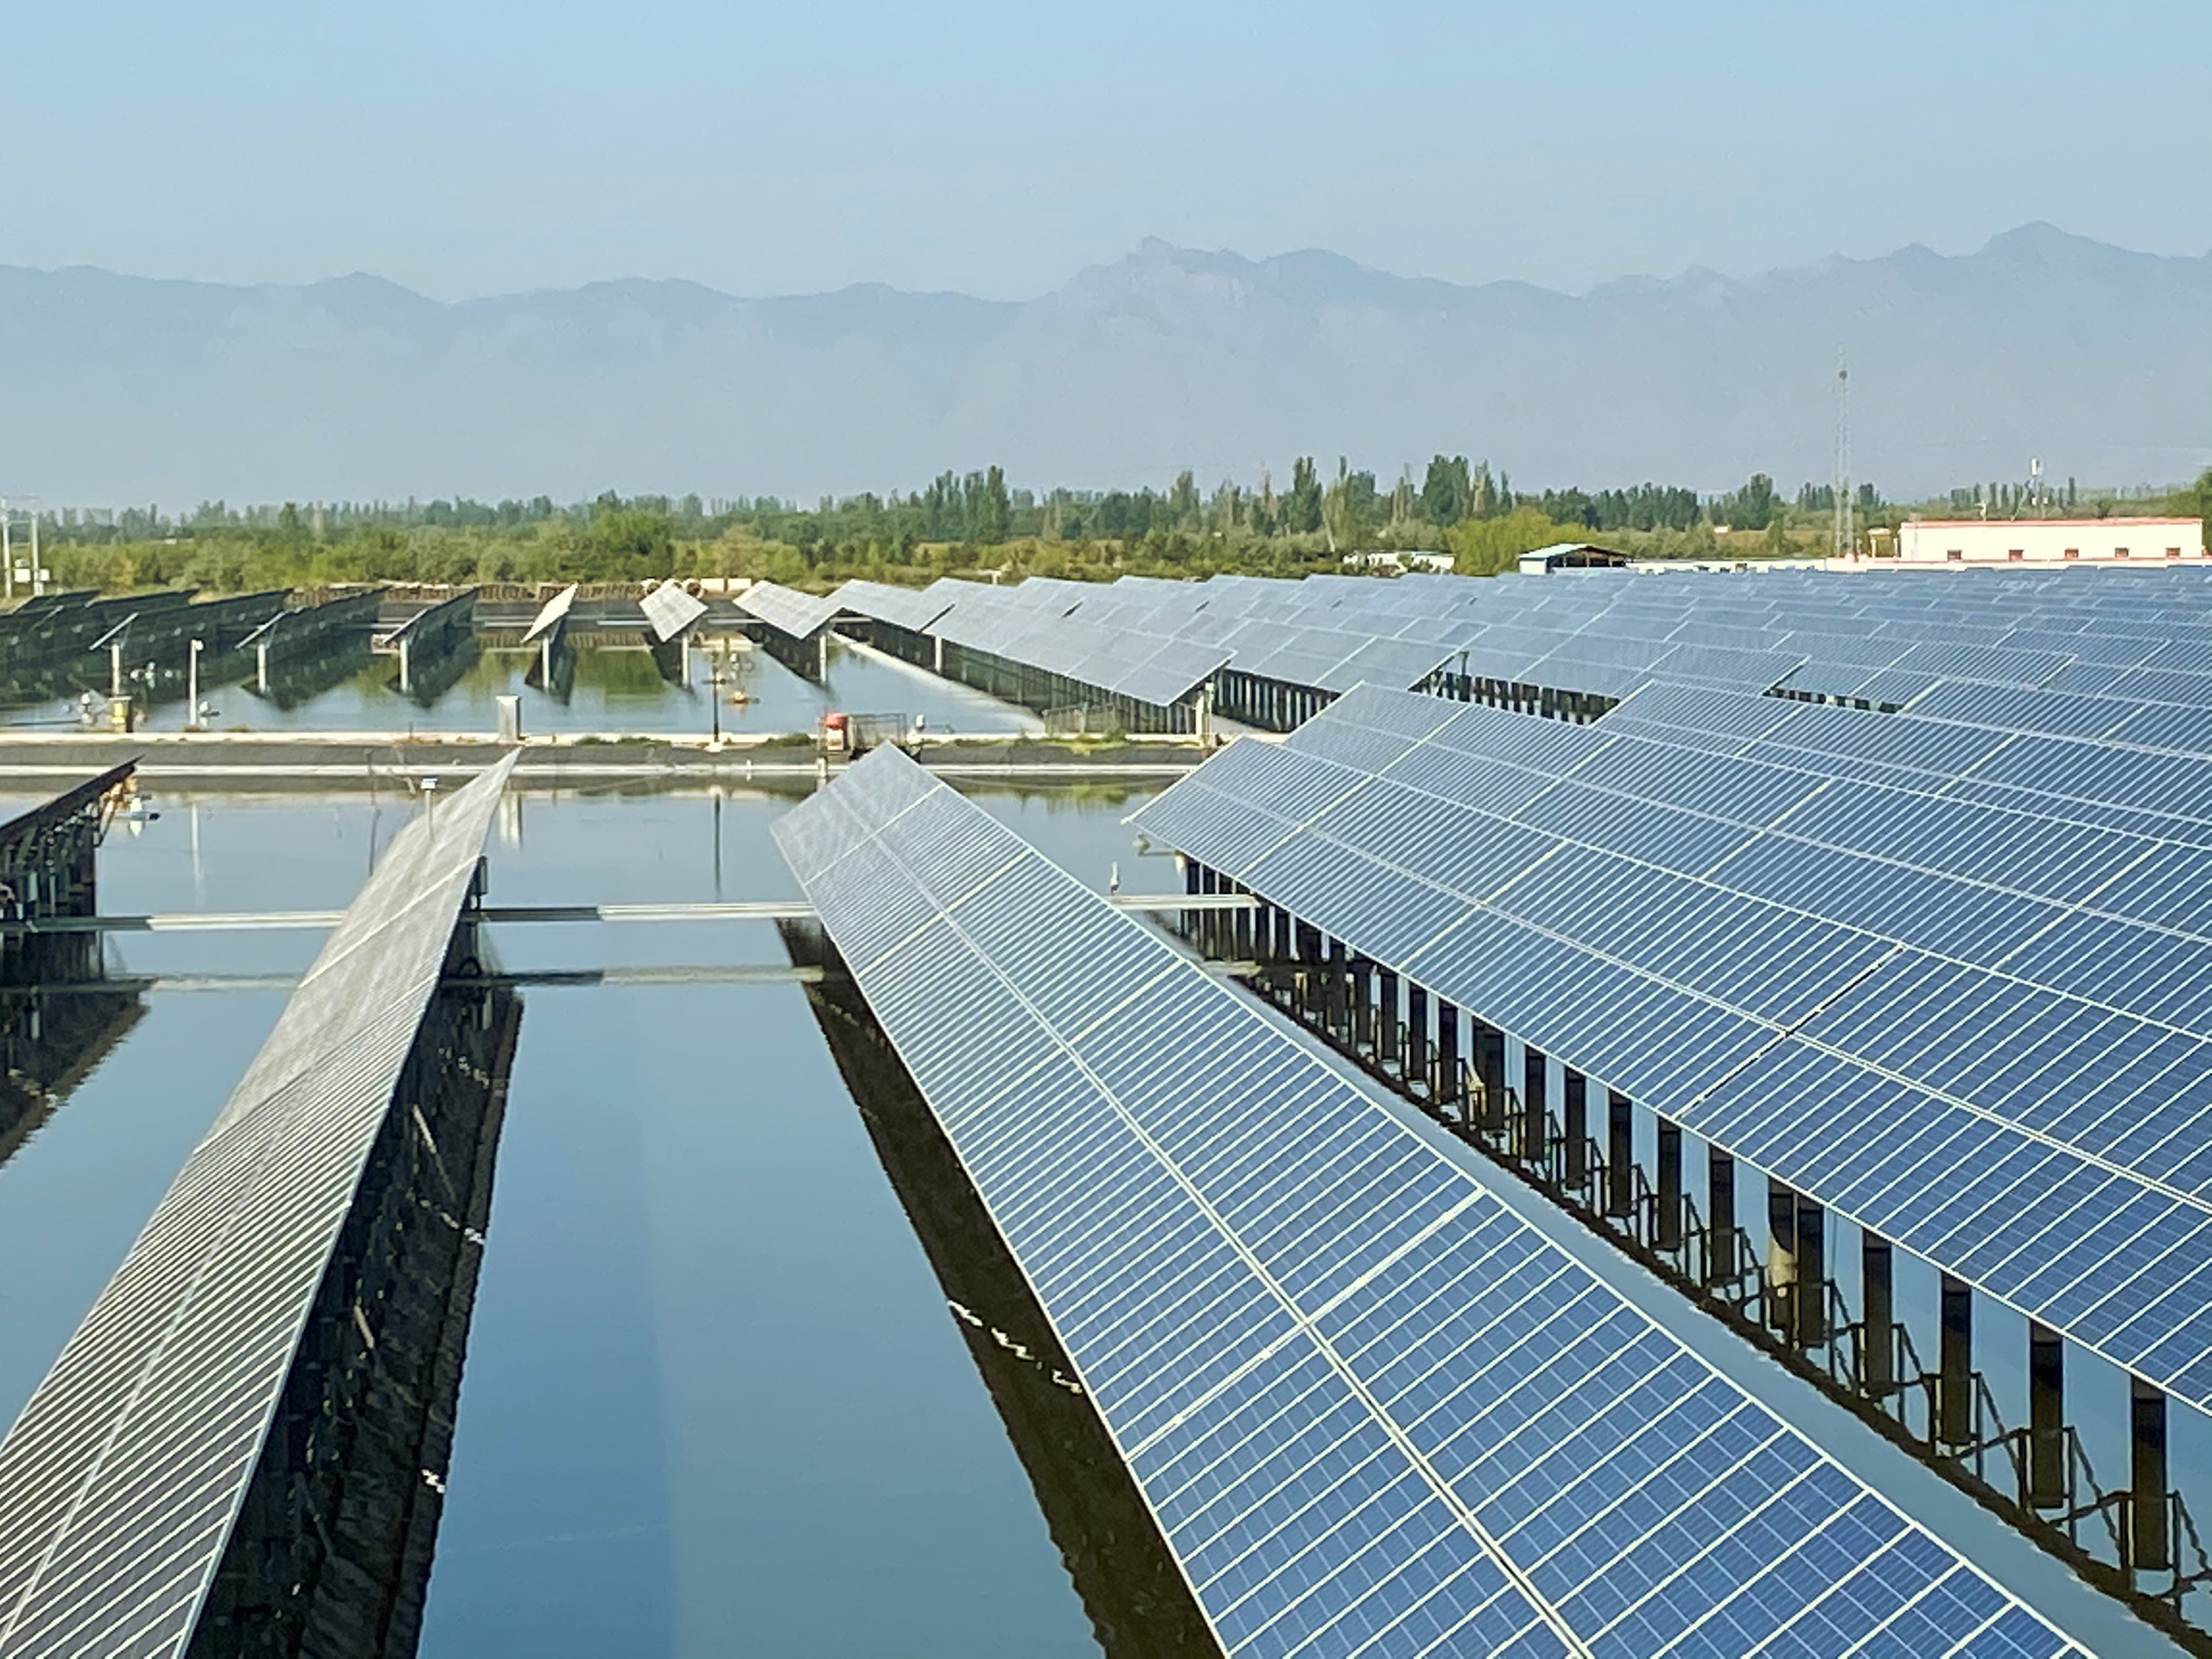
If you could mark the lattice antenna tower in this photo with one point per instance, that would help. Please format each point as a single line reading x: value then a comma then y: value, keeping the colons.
x: 1843, y: 538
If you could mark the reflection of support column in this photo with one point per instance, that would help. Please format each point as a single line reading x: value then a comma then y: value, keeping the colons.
x: 1667, y: 1225
x: 1416, y: 1034
x: 1721, y: 1265
x: 2147, y: 1467
x: 1954, y: 1365
x: 2046, y: 1416
x: 1620, y: 1153
x: 1447, y: 1052
x: 1810, y: 1296
x: 1574, y: 1126
x: 1387, y: 1017
x: 1877, y: 1344
x: 1534, y: 1105
x: 1781, y: 1258
x: 1797, y: 1266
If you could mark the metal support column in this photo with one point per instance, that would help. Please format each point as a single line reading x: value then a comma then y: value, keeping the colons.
x: 1797, y: 1266
x: 1667, y: 1225
x: 1620, y: 1153
x: 2046, y: 1417
x: 1721, y: 1267
x: 1877, y: 1343
x: 1535, y: 1124
x: 1416, y: 1035
x: 1447, y: 1052
x: 2147, y: 1528
x: 1575, y: 1127
x: 1489, y: 1072
x: 1810, y: 1294
x: 1386, y: 1016
x: 1955, y: 1363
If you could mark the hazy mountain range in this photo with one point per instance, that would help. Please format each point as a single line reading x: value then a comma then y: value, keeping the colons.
x: 122, y: 389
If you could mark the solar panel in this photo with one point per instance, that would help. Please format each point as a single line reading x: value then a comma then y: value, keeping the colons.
x: 668, y: 610
x: 910, y: 608
x: 1664, y: 983
x: 800, y: 616
x: 551, y: 615
x: 120, y: 1480
x: 1371, y: 1410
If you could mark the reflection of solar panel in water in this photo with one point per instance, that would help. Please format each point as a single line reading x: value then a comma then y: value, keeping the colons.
x: 120, y: 1481
x: 1839, y: 982
x: 668, y: 610
x: 1371, y: 1410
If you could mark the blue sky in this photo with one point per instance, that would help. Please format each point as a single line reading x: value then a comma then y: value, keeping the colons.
x: 467, y: 149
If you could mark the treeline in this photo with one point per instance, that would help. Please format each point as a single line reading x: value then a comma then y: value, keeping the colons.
x: 961, y: 523
x: 1350, y: 508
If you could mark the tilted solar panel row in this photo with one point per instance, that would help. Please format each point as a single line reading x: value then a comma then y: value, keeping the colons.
x: 1693, y: 961
x: 788, y: 611
x: 1373, y: 1412
x: 121, y: 1478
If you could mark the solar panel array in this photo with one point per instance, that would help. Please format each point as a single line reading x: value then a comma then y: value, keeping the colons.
x: 1973, y: 1027
x: 788, y: 611
x: 668, y: 610
x: 2083, y: 646
x: 1372, y: 1411
x: 120, y: 1480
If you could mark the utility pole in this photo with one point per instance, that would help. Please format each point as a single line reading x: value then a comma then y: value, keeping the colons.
x: 1845, y: 543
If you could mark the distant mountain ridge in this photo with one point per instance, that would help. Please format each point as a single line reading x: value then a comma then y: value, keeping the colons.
x: 2094, y: 358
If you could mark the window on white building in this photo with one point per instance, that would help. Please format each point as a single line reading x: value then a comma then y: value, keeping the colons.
x: 2119, y: 552
x: 1955, y: 554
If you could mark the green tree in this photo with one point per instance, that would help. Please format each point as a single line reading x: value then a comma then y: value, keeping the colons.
x: 1489, y: 547
x: 1446, y: 493
x: 1750, y: 508
x: 1302, y: 514
x: 1183, y: 498
x: 628, y: 544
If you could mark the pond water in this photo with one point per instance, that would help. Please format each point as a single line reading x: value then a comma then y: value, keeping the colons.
x: 714, y: 1401
x: 602, y: 686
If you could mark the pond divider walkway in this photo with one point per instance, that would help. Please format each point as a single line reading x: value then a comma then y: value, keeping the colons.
x: 337, y: 760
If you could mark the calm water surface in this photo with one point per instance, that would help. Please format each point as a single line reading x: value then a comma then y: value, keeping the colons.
x: 614, y: 688
x: 713, y: 1403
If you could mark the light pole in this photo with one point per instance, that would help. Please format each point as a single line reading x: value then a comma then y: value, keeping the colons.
x: 192, y: 688
x: 714, y: 698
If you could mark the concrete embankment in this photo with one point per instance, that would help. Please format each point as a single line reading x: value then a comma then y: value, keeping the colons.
x: 336, y: 760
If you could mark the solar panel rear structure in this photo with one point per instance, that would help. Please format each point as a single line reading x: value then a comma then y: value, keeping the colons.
x: 788, y: 611
x: 1372, y: 1411
x: 1934, y: 1053
x: 911, y: 608
x: 121, y: 1479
